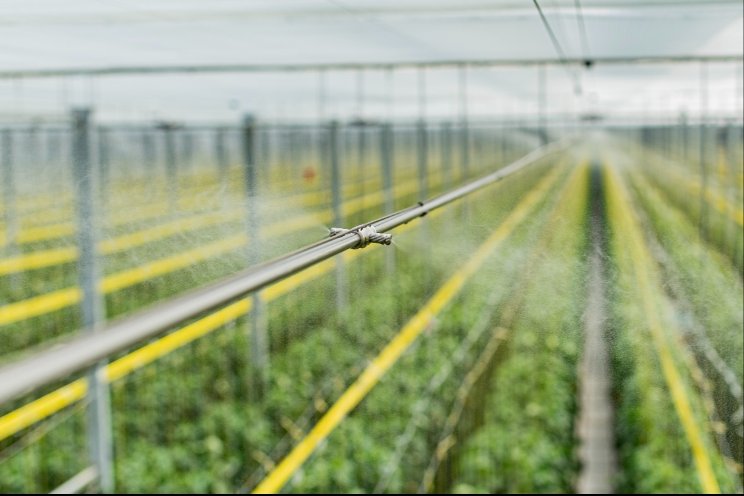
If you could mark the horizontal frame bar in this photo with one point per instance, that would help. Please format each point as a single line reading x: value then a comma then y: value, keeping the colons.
x: 356, y: 66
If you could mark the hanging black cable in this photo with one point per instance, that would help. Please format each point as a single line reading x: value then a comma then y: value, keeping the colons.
x: 584, y: 38
x: 556, y: 44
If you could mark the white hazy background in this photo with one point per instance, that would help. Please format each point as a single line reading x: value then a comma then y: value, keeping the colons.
x: 96, y: 33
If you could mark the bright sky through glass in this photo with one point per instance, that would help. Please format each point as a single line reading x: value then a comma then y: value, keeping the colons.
x: 94, y: 33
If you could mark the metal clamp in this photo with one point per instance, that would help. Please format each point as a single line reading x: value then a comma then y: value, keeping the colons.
x: 367, y: 234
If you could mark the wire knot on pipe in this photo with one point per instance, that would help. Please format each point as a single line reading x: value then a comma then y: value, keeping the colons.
x: 366, y: 234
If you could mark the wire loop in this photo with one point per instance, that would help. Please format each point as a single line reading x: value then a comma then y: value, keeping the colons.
x: 366, y: 234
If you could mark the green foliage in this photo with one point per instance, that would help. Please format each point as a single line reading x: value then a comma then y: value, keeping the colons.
x: 526, y: 442
x: 653, y: 448
x: 707, y: 279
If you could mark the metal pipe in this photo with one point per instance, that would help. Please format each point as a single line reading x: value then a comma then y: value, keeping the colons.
x: 80, y: 352
x: 78, y: 482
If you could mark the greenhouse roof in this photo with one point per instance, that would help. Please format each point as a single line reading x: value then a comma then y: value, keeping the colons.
x: 153, y: 33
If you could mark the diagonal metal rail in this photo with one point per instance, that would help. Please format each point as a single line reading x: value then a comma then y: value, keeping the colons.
x: 79, y: 353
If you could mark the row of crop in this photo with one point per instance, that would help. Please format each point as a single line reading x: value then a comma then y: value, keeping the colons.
x: 160, y: 277
x: 123, y: 209
x: 51, y: 314
x: 139, y: 238
x: 125, y: 220
x: 716, y: 210
x: 157, y: 406
x: 173, y: 285
x: 133, y: 177
x: 397, y: 426
x: 525, y: 442
x: 664, y: 438
x: 143, y: 243
x: 707, y: 293
x: 125, y: 200
x: 709, y: 281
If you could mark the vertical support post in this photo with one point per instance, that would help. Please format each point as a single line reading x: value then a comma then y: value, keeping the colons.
x: 703, y: 149
x: 282, y: 153
x: 386, y: 135
x: 103, y: 167
x: 52, y: 148
x: 447, y: 154
x: 258, y: 333
x: 386, y: 155
x: 361, y: 153
x: 733, y: 146
x: 423, y: 160
x: 685, y: 136
x: 295, y: 168
x: 321, y: 95
x: 171, y: 169
x: 464, y: 131
x: 93, y: 306
x: 670, y: 140
x: 9, y: 192
x: 222, y: 162
x: 542, y: 103
x: 43, y: 163
x: 34, y: 157
x: 148, y: 161
x: 725, y: 179
x: 338, y: 216
x: 465, y: 134
x: 423, y: 184
x: 188, y: 151
x: 267, y: 154
x: 421, y: 138
x: 360, y: 135
x: 502, y: 143
x: 322, y: 143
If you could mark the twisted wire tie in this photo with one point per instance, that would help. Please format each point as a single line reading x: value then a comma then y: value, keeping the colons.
x: 366, y: 235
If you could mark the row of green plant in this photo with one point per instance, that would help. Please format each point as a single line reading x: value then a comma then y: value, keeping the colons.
x: 209, y: 200
x: 166, y: 439
x: 655, y: 432
x: 387, y: 442
x: 524, y: 440
x: 26, y: 333
x: 206, y: 188
x: 710, y: 283
x: 711, y: 209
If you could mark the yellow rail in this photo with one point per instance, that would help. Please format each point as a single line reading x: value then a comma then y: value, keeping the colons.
x: 657, y: 194
x: 57, y: 256
x: 628, y: 228
x: 189, y: 200
x: 59, y: 399
x: 569, y: 205
x: 56, y: 300
x: 128, y: 192
x: 716, y: 200
x: 276, y: 479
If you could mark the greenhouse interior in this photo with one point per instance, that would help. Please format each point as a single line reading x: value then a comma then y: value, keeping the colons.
x: 342, y: 246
